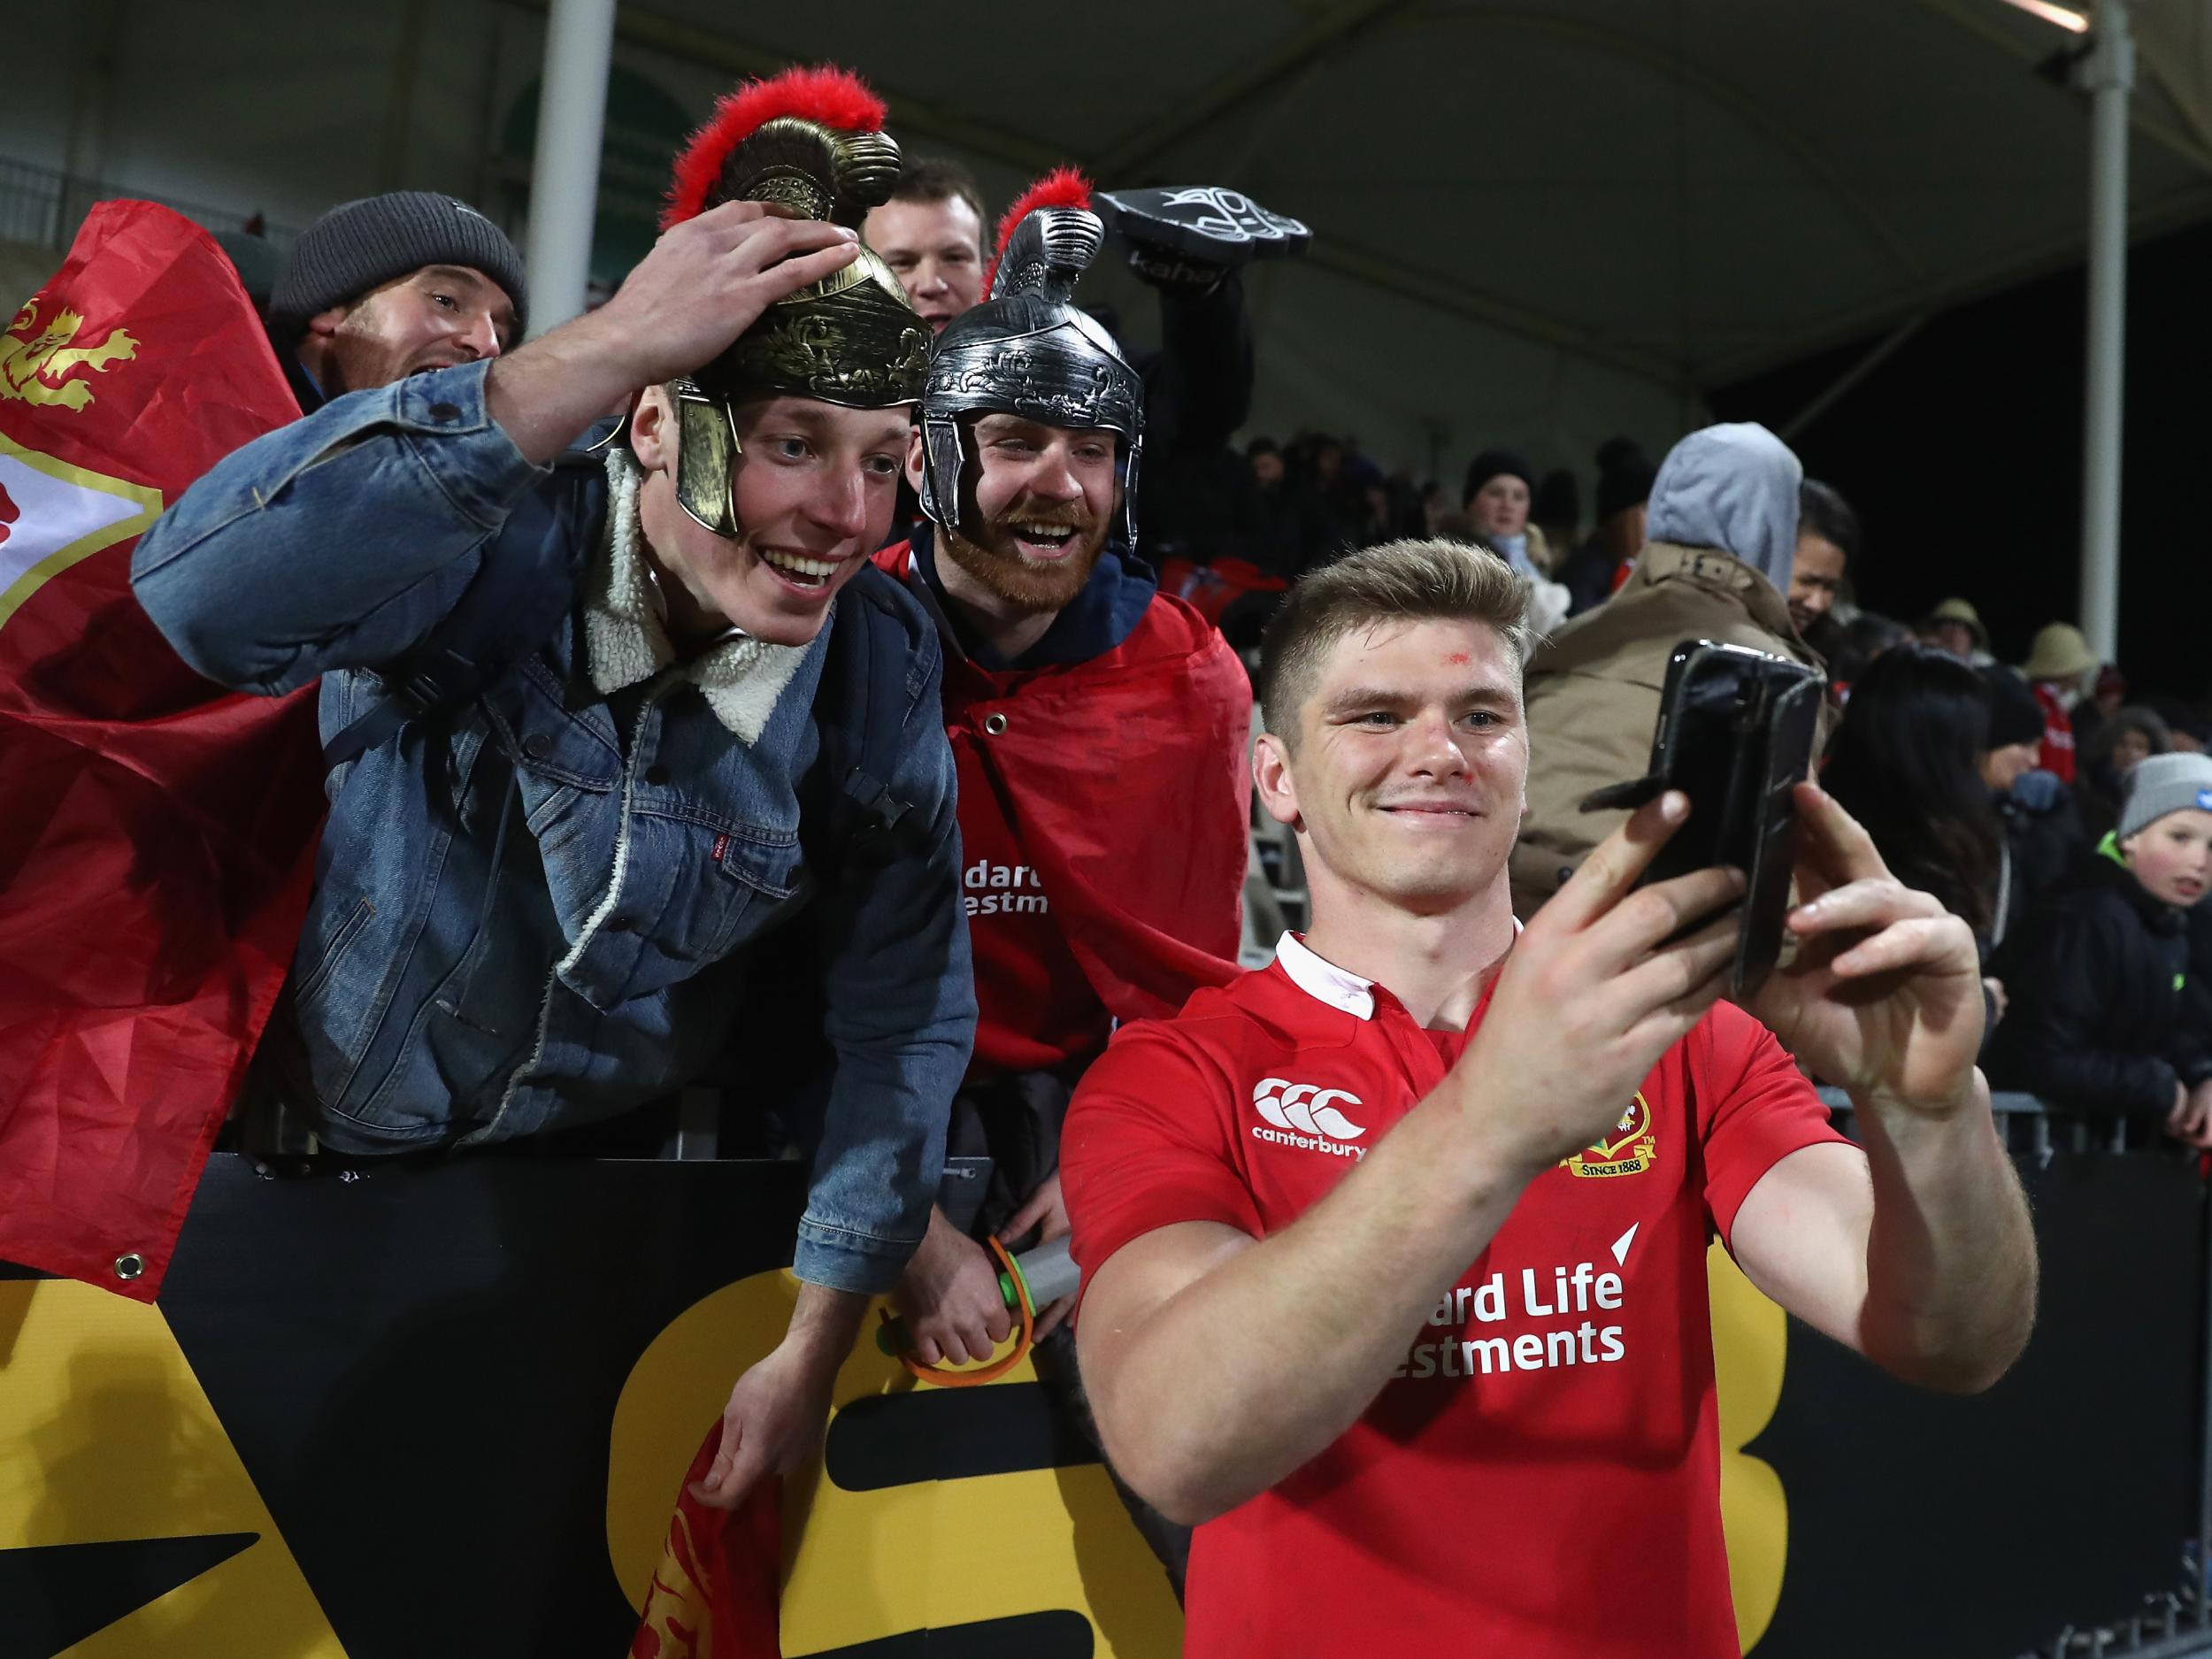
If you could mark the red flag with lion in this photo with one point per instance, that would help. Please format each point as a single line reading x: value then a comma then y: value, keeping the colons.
x: 157, y: 832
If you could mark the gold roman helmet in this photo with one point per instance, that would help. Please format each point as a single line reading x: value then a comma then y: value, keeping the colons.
x: 811, y: 140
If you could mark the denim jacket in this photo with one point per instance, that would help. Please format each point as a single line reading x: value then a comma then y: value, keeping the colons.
x: 542, y: 910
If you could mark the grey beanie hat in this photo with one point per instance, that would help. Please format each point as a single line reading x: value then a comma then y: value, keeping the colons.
x: 2163, y: 784
x: 357, y: 247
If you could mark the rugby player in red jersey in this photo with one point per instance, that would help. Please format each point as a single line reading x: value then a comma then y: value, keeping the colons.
x: 1394, y: 1252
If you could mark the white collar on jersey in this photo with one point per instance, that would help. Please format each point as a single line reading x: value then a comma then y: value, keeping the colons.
x: 1326, y: 982
x: 1323, y: 980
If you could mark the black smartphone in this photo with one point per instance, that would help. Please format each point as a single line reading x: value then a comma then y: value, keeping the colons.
x: 1735, y: 734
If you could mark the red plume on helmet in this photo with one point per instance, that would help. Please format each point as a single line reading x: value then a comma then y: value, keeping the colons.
x: 833, y: 97
x: 1063, y: 187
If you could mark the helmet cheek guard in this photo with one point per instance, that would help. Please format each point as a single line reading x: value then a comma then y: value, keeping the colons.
x: 707, y: 449
x: 944, y: 460
x: 1132, y: 453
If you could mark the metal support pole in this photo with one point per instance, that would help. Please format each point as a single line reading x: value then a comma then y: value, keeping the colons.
x: 565, y: 171
x: 2110, y: 76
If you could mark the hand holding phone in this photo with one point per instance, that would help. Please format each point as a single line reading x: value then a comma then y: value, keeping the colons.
x: 1735, y: 734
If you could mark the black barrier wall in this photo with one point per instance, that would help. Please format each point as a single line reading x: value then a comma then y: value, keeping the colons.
x: 441, y: 1407
x: 1926, y: 1526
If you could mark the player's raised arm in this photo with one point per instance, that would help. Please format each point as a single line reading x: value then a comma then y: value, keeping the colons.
x: 1921, y: 1255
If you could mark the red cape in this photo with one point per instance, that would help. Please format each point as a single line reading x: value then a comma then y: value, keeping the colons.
x: 157, y: 832
x: 1126, y: 779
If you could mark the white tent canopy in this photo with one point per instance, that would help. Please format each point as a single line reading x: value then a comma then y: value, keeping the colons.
x: 1535, y: 224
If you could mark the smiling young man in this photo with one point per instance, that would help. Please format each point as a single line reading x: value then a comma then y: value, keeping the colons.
x: 1394, y: 1252
x: 1827, y: 542
x: 1099, y: 725
x: 391, y: 286
x: 550, y: 905
x: 930, y: 233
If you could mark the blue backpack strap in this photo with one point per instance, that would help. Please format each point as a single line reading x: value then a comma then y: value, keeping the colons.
x: 514, y: 604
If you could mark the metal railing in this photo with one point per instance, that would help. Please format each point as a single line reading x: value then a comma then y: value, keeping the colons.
x: 2031, y: 1127
x: 2172, y: 1623
x: 41, y: 207
x: 2168, y: 1629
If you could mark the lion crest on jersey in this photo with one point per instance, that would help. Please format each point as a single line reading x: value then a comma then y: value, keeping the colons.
x: 1628, y: 1150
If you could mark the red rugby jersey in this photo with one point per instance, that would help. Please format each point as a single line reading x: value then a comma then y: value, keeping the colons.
x: 1541, y: 1478
x: 2056, y: 755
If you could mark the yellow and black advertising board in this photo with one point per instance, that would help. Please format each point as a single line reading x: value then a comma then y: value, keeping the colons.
x: 444, y: 1410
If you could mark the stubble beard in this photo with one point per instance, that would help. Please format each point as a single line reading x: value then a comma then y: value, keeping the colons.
x: 1037, y: 589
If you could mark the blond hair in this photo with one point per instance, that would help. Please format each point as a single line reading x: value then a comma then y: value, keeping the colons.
x: 1397, y: 581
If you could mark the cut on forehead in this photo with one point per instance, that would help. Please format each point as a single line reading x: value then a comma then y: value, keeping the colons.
x: 1396, y: 663
x: 1364, y: 664
x: 1376, y: 594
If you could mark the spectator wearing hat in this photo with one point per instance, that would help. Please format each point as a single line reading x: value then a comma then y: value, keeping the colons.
x: 2121, y: 744
x: 391, y: 286
x: 1496, y: 501
x: 1955, y: 626
x: 1498, y: 489
x: 2058, y: 664
x: 1601, y: 563
x: 2108, y: 1017
x: 704, y: 763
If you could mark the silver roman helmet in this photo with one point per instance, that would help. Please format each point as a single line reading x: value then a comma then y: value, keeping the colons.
x: 1028, y: 350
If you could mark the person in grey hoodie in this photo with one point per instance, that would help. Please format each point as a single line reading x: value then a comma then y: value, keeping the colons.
x: 1722, y: 529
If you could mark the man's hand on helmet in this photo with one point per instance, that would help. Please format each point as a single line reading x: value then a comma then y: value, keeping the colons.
x: 707, y: 279
x: 705, y: 282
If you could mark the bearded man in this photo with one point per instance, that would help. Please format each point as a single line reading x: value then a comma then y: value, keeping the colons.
x: 391, y: 286
x: 1099, y: 728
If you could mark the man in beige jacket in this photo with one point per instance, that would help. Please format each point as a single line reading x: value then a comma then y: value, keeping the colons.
x: 1722, y: 530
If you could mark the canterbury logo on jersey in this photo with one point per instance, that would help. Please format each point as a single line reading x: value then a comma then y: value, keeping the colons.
x: 1305, y: 1115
